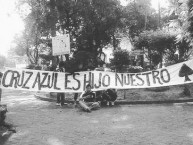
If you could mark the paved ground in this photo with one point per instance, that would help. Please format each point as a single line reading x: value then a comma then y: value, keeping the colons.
x: 43, y: 123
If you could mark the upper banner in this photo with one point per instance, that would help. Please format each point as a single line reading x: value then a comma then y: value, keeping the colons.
x: 61, y: 44
x: 33, y: 80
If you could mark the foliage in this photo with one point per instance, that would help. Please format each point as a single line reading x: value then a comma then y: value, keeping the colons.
x: 139, y: 16
x: 35, y: 33
x: 101, y: 20
x: 120, y: 59
x: 190, y: 21
x: 157, y: 44
x: 176, y: 14
x: 183, y: 49
x: 91, y: 24
x: 177, y: 19
x: 82, y: 61
x: 94, y: 24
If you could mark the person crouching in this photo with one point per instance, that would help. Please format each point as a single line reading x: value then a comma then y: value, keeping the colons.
x: 87, y: 100
x: 109, y: 96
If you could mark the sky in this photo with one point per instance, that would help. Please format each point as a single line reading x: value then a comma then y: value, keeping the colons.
x: 11, y: 24
x: 154, y: 3
x: 163, y: 3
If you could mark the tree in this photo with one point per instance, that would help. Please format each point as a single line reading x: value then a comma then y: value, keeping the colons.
x: 189, y: 25
x: 139, y: 16
x: 157, y: 43
x: 120, y: 59
x: 100, y: 20
x: 35, y: 32
x: 91, y: 24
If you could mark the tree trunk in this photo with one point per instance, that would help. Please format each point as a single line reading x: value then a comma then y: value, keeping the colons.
x: 142, y: 60
x: 27, y: 52
x: 114, y: 42
x: 36, y: 56
x: 159, y: 14
x: 149, y: 54
x: 29, y: 56
x: 145, y: 20
x: 161, y: 62
x: 125, y: 91
x: 0, y: 94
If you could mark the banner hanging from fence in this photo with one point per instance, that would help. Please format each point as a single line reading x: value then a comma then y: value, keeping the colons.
x: 47, y: 81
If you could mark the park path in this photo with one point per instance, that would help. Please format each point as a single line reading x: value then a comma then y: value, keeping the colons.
x: 43, y: 123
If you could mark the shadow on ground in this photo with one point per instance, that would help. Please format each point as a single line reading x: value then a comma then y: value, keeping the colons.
x: 4, y: 137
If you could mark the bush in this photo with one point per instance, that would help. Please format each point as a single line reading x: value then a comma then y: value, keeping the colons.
x: 120, y: 59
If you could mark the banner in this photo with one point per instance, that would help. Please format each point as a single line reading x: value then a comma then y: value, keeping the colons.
x: 35, y: 80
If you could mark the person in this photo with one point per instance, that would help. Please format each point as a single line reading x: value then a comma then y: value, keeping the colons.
x: 75, y: 98
x: 60, y: 99
x: 1, y: 74
x: 60, y: 96
x: 109, y: 96
x: 87, y: 100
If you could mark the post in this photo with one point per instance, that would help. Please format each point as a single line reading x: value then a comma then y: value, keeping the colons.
x: 124, y: 94
x: 0, y: 94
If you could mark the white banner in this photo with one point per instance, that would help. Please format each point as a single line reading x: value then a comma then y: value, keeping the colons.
x: 35, y: 80
x: 61, y: 45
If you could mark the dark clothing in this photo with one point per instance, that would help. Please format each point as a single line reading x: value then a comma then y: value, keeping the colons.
x: 99, y: 96
x: 89, y: 96
x: 60, y: 98
x: 1, y: 74
x: 109, y: 95
x: 75, y: 96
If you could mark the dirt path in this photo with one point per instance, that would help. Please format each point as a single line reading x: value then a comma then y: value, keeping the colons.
x: 43, y: 123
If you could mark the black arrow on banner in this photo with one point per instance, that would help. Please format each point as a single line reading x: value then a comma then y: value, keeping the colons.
x: 185, y: 71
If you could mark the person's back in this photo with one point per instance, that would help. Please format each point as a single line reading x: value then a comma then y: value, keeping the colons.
x: 109, y: 96
x: 112, y: 94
